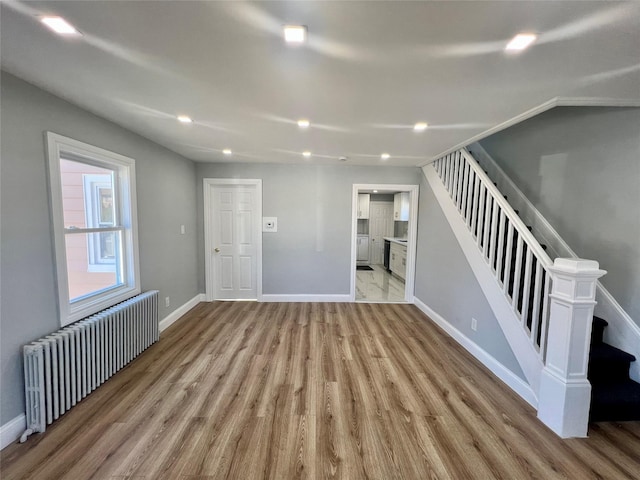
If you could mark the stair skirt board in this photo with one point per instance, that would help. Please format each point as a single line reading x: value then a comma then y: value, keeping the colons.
x: 622, y: 332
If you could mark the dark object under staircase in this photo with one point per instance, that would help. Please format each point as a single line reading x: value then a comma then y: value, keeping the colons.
x: 614, y: 396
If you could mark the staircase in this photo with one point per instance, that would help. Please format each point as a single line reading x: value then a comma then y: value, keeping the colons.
x: 614, y: 396
x: 623, y: 332
x: 512, y: 260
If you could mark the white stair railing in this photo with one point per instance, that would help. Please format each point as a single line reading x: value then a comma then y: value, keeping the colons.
x: 518, y: 262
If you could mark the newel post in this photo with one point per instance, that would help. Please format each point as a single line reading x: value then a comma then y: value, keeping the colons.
x: 565, y: 393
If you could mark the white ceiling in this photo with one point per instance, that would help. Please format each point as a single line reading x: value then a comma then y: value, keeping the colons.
x: 369, y: 72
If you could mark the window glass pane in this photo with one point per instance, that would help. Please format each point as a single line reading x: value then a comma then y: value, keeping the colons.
x: 87, y: 195
x: 94, y: 262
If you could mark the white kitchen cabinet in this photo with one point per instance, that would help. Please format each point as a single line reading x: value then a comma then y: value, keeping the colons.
x: 398, y: 260
x: 362, y: 248
x: 364, y: 200
x: 401, y: 206
x: 402, y: 270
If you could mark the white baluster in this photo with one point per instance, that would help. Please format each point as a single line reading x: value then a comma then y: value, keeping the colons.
x: 507, y: 259
x: 454, y: 178
x: 482, y: 200
x: 526, y: 288
x: 445, y: 175
x: 474, y: 203
x: 544, y: 318
x: 463, y: 185
x: 517, y: 275
x: 488, y: 214
x: 450, y: 174
x: 458, y: 185
x: 467, y: 194
x: 501, y: 247
x: 535, y: 313
x: 492, y: 236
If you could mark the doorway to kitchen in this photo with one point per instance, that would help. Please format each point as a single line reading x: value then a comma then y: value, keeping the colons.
x: 384, y: 233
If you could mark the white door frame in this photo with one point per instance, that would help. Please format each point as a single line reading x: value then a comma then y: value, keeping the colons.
x: 412, y: 235
x: 210, y: 277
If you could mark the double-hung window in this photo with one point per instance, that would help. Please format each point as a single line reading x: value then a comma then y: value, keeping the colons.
x: 93, y: 207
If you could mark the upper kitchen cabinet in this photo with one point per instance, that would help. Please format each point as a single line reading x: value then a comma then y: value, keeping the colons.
x: 363, y: 205
x: 401, y: 206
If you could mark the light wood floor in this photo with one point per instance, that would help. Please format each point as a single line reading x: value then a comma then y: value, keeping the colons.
x: 282, y: 391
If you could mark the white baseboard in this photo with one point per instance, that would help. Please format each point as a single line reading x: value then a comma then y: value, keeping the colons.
x: 170, y: 319
x: 306, y: 298
x: 499, y: 370
x: 12, y: 430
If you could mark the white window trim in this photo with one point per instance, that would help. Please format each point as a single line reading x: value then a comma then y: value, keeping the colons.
x: 126, y: 185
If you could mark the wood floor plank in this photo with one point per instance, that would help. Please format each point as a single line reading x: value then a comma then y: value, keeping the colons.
x: 247, y: 390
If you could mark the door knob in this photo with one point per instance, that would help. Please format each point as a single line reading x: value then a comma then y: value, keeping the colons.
x: 217, y: 250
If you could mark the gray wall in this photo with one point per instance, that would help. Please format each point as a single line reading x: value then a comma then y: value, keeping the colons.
x: 311, y: 251
x: 446, y: 283
x: 580, y: 167
x: 166, y: 199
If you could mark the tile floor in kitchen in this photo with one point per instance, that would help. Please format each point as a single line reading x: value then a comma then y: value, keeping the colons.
x: 378, y: 285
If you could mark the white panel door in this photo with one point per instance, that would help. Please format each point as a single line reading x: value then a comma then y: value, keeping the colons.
x: 234, y: 241
x: 380, y: 226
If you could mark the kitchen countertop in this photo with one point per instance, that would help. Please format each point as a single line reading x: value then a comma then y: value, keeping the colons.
x: 399, y: 241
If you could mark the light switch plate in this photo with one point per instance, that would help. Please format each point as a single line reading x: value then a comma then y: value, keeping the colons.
x: 270, y: 224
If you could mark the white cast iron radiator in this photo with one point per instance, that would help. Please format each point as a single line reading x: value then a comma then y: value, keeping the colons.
x: 65, y: 366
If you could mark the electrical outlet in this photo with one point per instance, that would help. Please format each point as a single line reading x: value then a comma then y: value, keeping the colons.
x: 270, y: 224
x: 474, y: 324
x: 167, y: 301
x: 182, y: 230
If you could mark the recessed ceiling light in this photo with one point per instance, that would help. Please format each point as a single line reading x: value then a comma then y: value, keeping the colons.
x: 521, y: 41
x: 303, y: 123
x: 295, y: 34
x: 306, y: 154
x: 59, y: 25
x: 385, y: 156
x: 420, y: 127
x: 375, y: 191
x: 184, y: 119
x: 227, y: 151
